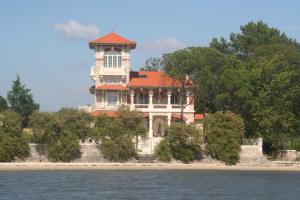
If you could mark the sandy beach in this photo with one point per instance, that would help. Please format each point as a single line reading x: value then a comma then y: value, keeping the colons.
x: 144, y: 166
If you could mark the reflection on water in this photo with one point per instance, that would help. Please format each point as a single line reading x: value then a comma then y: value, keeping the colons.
x: 139, y: 184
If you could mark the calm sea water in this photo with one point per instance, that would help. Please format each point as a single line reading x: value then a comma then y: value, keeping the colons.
x: 139, y: 184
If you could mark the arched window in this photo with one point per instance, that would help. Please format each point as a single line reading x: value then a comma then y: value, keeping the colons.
x: 112, y: 59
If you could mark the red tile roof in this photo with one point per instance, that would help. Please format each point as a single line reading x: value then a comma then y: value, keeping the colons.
x: 199, y: 116
x: 108, y: 113
x: 111, y: 87
x: 112, y: 39
x: 152, y: 79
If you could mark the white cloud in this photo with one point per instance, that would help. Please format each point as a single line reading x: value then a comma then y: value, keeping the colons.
x: 73, y: 30
x: 163, y: 45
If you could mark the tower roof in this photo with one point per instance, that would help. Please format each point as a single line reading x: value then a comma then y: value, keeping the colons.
x: 112, y: 39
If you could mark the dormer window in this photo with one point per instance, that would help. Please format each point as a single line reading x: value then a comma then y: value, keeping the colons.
x: 112, y: 59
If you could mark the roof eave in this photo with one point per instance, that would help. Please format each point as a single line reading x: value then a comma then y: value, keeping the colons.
x: 92, y: 44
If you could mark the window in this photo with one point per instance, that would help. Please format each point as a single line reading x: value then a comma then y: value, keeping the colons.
x: 105, y: 61
x: 112, y: 59
x: 144, y: 98
x: 111, y: 98
x: 175, y: 98
x: 109, y: 61
x: 119, y: 61
x: 112, y: 79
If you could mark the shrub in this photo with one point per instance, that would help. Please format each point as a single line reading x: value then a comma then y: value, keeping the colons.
x: 183, y: 141
x: 78, y: 122
x: 117, y: 134
x: 65, y: 148
x: 58, y: 134
x: 13, y: 144
x: 13, y: 147
x: 223, y: 134
x: 163, y: 151
x: 119, y: 149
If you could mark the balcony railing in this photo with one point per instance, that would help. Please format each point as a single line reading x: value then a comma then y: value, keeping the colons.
x: 156, y: 106
x: 141, y: 105
x: 176, y: 106
x: 160, y: 105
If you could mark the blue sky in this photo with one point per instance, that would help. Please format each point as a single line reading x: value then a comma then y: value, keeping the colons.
x: 46, y: 42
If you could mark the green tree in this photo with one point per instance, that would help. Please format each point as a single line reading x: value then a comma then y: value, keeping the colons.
x: 163, y: 151
x: 273, y: 104
x: 221, y: 45
x: 119, y: 149
x: 152, y: 64
x: 13, y: 144
x: 3, y: 104
x: 21, y: 101
x: 223, y: 135
x: 116, y: 134
x: 65, y: 148
x: 267, y: 93
x: 116, y: 140
x: 58, y: 134
x: 133, y: 122
x: 11, y: 122
x: 178, y: 65
x: 252, y: 36
x: 77, y: 122
x: 183, y: 141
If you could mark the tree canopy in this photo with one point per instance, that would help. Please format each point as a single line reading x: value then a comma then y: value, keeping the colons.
x: 255, y: 74
x: 13, y: 144
x: 223, y: 135
x: 117, y: 134
x: 3, y: 104
x: 182, y: 142
x: 58, y: 134
x: 21, y: 100
x: 152, y: 64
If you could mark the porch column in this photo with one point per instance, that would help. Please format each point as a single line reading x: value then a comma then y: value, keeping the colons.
x: 131, y: 99
x: 159, y: 96
x: 103, y: 98
x: 121, y: 98
x: 95, y: 99
x: 169, y: 93
x: 150, y: 125
x: 188, y: 93
x: 151, y: 99
x: 118, y: 99
x: 169, y: 119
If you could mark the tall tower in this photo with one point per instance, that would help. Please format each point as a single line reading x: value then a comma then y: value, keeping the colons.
x: 111, y: 70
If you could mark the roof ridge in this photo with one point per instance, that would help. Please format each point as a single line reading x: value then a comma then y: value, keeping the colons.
x: 112, y: 38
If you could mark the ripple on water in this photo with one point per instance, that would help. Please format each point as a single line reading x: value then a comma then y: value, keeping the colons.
x: 139, y: 184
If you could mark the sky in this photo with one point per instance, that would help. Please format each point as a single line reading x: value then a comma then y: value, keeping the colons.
x: 46, y: 42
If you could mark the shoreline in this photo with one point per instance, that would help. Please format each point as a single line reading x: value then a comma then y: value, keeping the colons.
x: 32, y: 166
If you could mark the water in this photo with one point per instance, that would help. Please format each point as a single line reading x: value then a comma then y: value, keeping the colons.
x: 139, y: 184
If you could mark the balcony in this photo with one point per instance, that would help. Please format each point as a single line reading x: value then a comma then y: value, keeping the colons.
x: 139, y: 106
x: 160, y: 108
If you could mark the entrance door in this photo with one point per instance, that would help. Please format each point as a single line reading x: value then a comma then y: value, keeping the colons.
x: 159, y: 127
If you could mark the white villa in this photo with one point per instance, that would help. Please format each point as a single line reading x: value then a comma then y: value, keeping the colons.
x: 152, y: 93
